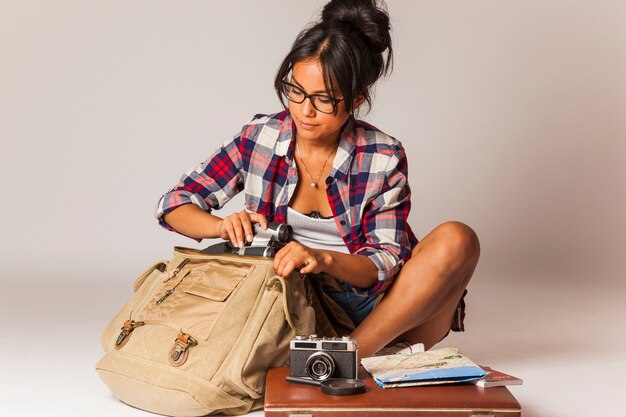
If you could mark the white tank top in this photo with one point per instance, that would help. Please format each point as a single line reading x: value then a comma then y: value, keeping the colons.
x: 316, y: 233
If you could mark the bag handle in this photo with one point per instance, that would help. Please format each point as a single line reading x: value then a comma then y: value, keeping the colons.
x: 160, y: 265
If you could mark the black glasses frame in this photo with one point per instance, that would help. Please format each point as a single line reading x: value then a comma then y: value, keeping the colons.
x: 335, y: 101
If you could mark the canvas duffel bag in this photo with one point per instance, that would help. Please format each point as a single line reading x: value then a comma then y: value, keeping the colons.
x: 200, y: 332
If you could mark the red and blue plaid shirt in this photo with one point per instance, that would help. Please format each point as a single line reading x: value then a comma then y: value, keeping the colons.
x: 367, y: 187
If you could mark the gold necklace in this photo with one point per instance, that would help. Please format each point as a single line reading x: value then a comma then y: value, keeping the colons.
x: 319, y: 174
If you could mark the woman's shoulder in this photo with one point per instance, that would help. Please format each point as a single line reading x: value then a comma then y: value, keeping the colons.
x: 268, y: 129
x: 370, y: 139
x: 265, y: 135
x: 273, y: 120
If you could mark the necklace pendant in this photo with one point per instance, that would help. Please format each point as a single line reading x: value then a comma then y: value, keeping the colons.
x: 313, y: 185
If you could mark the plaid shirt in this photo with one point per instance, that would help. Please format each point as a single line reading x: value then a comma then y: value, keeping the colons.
x: 367, y: 187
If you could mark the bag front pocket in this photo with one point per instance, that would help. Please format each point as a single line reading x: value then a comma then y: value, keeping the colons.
x: 217, y: 286
x: 196, y: 301
x: 264, y: 340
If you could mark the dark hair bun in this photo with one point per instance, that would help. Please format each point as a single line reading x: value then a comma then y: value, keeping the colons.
x: 364, y: 17
x: 353, y: 45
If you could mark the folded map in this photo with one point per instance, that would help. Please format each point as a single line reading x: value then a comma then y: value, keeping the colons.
x: 434, y: 367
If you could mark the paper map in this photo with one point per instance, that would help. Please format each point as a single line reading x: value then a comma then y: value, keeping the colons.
x: 439, y: 366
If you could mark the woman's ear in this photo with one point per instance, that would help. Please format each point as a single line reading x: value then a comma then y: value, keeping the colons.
x: 357, y: 102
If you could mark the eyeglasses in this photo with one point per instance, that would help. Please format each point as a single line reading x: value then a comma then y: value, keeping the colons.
x: 320, y: 102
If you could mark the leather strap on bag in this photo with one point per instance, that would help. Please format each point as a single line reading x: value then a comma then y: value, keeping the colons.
x: 179, y: 352
x: 127, y: 330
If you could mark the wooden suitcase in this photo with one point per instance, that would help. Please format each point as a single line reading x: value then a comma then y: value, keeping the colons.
x: 286, y: 399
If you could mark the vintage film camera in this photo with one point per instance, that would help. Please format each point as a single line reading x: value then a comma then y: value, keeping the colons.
x: 265, y: 243
x: 332, y: 363
x: 319, y: 358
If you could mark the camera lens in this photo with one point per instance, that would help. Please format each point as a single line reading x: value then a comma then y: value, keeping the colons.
x: 284, y: 232
x: 320, y: 366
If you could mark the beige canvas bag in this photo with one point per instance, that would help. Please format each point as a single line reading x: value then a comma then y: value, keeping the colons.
x: 201, y: 331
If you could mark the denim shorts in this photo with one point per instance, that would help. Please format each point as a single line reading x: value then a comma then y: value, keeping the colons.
x: 356, y: 306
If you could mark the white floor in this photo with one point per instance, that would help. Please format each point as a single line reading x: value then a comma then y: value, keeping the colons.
x: 565, y: 341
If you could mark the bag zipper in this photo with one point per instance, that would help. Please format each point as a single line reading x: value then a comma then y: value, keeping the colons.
x: 156, y: 282
x: 172, y: 275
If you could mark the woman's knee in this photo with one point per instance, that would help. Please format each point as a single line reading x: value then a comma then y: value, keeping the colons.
x: 456, y: 245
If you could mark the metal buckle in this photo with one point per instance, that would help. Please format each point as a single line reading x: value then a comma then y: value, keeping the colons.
x: 179, y: 352
x: 127, y: 329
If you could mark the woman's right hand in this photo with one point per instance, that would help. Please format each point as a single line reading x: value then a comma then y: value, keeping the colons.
x: 235, y: 226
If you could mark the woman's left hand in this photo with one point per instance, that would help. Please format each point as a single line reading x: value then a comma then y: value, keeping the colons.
x: 295, y: 255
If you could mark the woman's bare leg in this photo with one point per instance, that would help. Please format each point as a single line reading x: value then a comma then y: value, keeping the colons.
x: 420, y: 305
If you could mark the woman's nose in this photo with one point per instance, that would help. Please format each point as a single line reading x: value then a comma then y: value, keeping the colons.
x: 307, y: 107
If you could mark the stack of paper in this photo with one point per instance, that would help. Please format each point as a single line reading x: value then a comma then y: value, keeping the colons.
x: 439, y: 366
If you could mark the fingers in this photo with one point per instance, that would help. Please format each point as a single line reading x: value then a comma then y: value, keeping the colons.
x: 295, y: 256
x: 246, y: 222
x: 310, y: 265
x: 235, y: 226
x: 280, y: 255
x: 239, y: 225
x: 260, y: 219
x: 287, y: 268
x: 235, y: 230
x: 255, y: 218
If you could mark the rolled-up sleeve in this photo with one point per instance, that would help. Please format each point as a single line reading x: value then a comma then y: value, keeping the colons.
x: 385, y: 225
x: 209, y: 185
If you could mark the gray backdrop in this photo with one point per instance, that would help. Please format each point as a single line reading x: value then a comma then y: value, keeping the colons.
x: 512, y: 114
